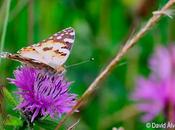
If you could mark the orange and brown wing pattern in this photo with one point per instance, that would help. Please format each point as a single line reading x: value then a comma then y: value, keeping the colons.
x: 53, y: 51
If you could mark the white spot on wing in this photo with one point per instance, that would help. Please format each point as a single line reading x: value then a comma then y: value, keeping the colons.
x: 56, y: 34
x: 50, y: 37
x: 68, y: 40
x: 72, y: 33
x: 59, y: 37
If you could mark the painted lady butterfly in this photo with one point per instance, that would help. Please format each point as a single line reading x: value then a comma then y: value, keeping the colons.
x: 50, y: 54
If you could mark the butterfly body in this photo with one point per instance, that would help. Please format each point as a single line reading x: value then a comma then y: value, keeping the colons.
x: 49, y: 54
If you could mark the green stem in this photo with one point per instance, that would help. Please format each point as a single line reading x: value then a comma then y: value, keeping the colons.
x: 5, y: 25
x: 24, y: 126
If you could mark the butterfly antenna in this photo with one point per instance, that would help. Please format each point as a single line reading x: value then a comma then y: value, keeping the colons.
x: 4, y: 54
x: 80, y: 63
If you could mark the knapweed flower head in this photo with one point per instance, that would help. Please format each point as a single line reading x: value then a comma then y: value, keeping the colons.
x: 156, y: 93
x: 42, y: 93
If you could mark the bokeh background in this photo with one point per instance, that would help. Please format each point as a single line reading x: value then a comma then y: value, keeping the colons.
x: 102, y: 27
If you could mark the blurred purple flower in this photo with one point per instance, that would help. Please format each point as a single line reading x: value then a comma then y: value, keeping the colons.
x: 155, y: 93
x: 42, y: 93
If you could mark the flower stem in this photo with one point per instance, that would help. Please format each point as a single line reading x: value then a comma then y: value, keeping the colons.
x: 26, y: 122
x: 23, y: 126
x: 129, y: 44
x: 5, y: 26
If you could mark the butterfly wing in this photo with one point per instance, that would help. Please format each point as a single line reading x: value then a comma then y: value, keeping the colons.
x: 53, y: 51
x: 28, y: 61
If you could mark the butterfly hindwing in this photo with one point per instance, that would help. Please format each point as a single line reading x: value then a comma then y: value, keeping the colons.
x: 53, y: 51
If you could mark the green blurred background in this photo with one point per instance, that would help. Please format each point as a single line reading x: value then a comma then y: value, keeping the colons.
x: 102, y: 27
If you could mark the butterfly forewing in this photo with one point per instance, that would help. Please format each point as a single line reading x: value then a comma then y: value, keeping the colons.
x: 53, y: 51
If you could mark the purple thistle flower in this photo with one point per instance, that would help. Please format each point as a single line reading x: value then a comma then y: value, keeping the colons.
x: 42, y: 93
x: 155, y: 94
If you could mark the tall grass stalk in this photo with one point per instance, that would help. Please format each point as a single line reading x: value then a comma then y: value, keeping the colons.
x: 5, y: 26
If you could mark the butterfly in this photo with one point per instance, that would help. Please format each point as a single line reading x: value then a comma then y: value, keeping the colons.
x: 49, y: 54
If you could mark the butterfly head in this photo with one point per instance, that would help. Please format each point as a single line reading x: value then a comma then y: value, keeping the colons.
x: 60, y: 70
